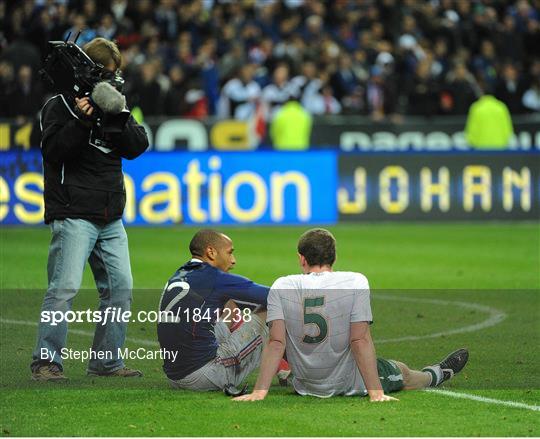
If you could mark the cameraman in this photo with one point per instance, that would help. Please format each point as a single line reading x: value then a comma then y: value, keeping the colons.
x: 84, y: 201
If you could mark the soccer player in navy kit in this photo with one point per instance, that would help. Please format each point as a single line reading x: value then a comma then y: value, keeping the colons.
x: 208, y: 318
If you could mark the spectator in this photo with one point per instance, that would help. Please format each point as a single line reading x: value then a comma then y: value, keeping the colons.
x: 41, y: 30
x: 206, y: 64
x: 79, y: 30
x: 375, y: 94
x: 531, y: 97
x: 361, y: 65
x: 509, y: 89
x: 140, y: 12
x: 531, y: 38
x: 306, y: 84
x: 313, y: 28
x: 166, y: 19
x: 423, y: 92
x: 262, y: 52
x: 154, y: 49
x: 7, y: 84
x: 26, y: 98
x: 532, y: 73
x: 290, y: 50
x: 213, y: 40
x: 463, y: 89
x: 522, y: 12
x: 183, y: 99
x: 441, y: 56
x: 277, y: 93
x: 323, y: 102
x: 162, y: 79
x: 107, y: 27
x: 232, y: 61
x: 240, y: 95
x: 409, y: 41
x: 118, y: 9
x: 510, y: 41
x: 20, y: 52
x: 146, y: 91
x: 485, y: 64
x: 90, y: 12
x: 347, y: 37
x: 345, y: 82
x: 384, y: 81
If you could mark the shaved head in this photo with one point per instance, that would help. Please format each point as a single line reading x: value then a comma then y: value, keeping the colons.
x: 214, y: 248
x: 207, y: 238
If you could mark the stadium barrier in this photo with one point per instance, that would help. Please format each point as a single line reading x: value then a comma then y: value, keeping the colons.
x: 315, y: 187
x: 344, y: 133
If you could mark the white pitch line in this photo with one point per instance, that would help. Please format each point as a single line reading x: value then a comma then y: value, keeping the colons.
x: 495, y: 317
x: 519, y: 405
x: 77, y: 331
x: 434, y: 391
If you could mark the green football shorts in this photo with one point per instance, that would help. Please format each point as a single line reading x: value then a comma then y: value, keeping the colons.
x: 390, y: 375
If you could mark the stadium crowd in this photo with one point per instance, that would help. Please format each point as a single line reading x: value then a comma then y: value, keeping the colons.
x: 382, y: 59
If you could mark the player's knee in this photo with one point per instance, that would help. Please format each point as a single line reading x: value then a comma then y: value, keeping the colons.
x: 405, y: 371
x: 261, y: 313
x: 231, y: 304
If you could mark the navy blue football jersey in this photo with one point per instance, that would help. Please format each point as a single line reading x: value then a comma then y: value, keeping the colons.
x: 192, y: 300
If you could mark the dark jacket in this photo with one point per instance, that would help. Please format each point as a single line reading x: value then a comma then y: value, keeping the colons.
x: 83, y: 173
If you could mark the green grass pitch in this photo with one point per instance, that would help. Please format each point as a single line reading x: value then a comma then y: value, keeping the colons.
x: 444, y: 277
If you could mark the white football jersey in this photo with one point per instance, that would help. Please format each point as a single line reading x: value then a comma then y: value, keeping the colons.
x: 318, y: 309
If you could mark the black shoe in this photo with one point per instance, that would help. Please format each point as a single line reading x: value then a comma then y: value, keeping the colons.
x: 453, y: 363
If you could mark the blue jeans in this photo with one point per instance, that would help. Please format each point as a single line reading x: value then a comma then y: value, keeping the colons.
x: 74, y: 241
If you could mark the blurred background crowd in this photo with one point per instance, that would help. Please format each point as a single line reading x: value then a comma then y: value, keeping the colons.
x: 383, y: 59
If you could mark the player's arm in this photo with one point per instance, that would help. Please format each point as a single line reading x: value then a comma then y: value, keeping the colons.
x: 241, y: 289
x: 271, y: 356
x: 274, y: 350
x: 366, y: 360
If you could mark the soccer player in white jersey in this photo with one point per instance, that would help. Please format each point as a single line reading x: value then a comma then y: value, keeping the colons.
x: 321, y: 319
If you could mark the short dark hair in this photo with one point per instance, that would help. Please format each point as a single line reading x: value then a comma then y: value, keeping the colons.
x: 205, y: 238
x: 318, y: 246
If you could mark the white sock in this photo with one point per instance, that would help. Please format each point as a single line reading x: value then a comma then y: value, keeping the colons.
x: 436, y: 374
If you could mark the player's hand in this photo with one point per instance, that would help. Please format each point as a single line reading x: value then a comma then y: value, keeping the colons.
x: 256, y: 395
x: 381, y: 397
x: 84, y: 106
